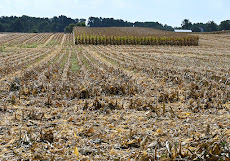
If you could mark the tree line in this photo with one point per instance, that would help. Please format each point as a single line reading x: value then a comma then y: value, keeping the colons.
x: 210, y: 26
x: 34, y: 24
x: 111, y: 22
x: 62, y: 23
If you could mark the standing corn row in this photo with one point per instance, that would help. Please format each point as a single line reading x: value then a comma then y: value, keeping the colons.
x: 130, y: 40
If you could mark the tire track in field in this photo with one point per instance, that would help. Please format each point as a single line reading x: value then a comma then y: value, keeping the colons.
x: 100, y: 58
x: 141, y: 79
x: 73, y: 38
x: 79, y: 61
x: 66, y: 68
x: 63, y: 40
x: 33, y: 37
x: 43, y: 61
x: 60, y: 58
x: 47, y: 41
x: 137, y: 75
x: 82, y: 59
x: 8, y: 38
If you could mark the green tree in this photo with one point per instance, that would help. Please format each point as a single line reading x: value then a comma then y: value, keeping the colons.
x: 43, y: 26
x: 225, y: 25
x: 186, y: 24
x: 34, y: 31
x: 72, y: 26
x: 196, y: 29
x: 212, y: 26
x: 2, y: 29
x: 81, y: 24
x: 17, y: 25
x: 67, y: 29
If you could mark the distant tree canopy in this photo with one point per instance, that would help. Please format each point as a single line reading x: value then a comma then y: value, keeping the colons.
x: 107, y: 22
x: 186, y: 24
x: 69, y: 29
x: 2, y: 29
x: 111, y: 22
x: 34, y: 24
x: 17, y: 25
x: 81, y: 24
x: 225, y: 25
x: 63, y: 23
x: 210, y: 26
x: 155, y: 25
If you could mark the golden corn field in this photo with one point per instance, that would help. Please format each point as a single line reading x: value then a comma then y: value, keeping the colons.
x: 131, y: 36
x: 95, y: 95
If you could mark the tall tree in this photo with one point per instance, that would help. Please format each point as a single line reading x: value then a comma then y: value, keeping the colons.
x: 2, y: 29
x: 17, y: 25
x: 155, y: 25
x: 43, y: 26
x: 212, y: 26
x: 225, y: 25
x: 67, y: 29
x: 186, y: 24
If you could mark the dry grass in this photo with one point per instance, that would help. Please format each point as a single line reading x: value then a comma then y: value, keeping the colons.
x: 115, y: 102
x: 1, y: 35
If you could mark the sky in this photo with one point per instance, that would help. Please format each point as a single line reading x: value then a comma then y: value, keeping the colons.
x: 170, y: 12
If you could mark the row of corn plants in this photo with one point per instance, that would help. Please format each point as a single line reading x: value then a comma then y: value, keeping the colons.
x: 85, y: 39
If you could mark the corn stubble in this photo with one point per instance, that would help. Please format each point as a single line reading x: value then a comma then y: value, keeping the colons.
x: 115, y: 102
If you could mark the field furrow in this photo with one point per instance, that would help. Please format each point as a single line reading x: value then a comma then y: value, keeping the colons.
x: 43, y: 61
x: 20, y: 40
x: 48, y: 40
x: 61, y: 101
x: 10, y: 37
x: 22, y: 63
x: 41, y: 39
x: 66, y: 68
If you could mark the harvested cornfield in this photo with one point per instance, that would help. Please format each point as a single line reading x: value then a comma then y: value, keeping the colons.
x: 61, y: 101
x: 131, y: 36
